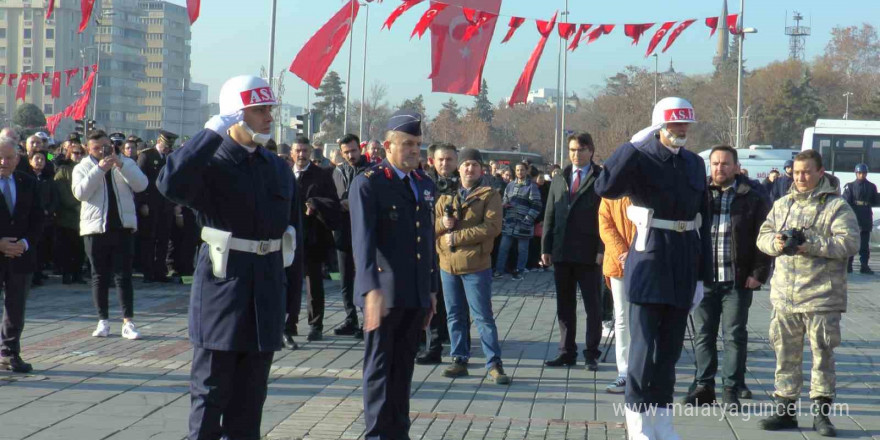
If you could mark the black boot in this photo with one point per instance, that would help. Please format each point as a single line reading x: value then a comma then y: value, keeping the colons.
x: 866, y: 270
x: 701, y: 395
x: 821, y: 423
x: 730, y: 397
x: 785, y: 417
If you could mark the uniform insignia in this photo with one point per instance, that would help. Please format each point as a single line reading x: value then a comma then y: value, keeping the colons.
x: 388, y: 173
x: 155, y: 162
x: 368, y: 173
x: 428, y: 196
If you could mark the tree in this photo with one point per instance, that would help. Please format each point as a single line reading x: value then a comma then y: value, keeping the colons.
x: 798, y: 109
x: 853, y: 51
x: 870, y: 110
x: 376, y: 113
x: 332, y: 98
x: 416, y: 104
x: 482, y: 105
x: 29, y: 116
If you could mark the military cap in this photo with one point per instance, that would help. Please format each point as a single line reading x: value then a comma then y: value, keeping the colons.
x: 406, y: 121
x: 167, y: 137
x: 117, y: 138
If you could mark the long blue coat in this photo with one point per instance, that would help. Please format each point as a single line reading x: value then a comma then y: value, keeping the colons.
x: 393, y: 238
x: 250, y: 196
x: 674, y: 186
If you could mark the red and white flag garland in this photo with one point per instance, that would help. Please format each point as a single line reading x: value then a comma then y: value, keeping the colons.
x: 521, y: 91
x: 22, y: 81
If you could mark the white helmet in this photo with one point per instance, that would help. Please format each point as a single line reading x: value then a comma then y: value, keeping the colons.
x: 245, y: 91
x: 669, y: 110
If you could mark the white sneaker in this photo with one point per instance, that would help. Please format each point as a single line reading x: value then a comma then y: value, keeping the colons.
x: 103, y: 329
x: 129, y: 331
x: 638, y: 426
x: 617, y: 387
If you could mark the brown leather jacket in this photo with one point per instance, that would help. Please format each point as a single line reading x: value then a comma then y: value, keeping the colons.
x: 479, y: 222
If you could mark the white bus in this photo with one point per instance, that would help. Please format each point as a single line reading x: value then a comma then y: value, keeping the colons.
x: 843, y: 144
x: 758, y: 160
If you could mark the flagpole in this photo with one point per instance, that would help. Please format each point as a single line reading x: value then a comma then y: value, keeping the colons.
x: 348, y: 76
x: 364, y: 78
x: 556, y: 120
x: 272, y: 45
x: 562, y: 146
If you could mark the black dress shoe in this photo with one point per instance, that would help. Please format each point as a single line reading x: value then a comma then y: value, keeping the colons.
x: 592, y: 364
x: 745, y: 392
x: 315, y: 334
x: 429, y: 358
x: 15, y: 364
x: 562, y: 361
x: 288, y: 341
x: 347, y: 329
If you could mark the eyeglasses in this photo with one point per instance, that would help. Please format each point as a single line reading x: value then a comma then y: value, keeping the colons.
x: 76, y: 153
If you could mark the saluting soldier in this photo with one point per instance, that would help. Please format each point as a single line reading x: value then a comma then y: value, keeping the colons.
x: 395, y: 272
x: 154, y: 211
x: 669, y: 259
x: 241, y: 194
x: 861, y: 196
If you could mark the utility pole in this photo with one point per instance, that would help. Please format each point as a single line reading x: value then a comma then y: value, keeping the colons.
x: 364, y: 78
x: 562, y: 146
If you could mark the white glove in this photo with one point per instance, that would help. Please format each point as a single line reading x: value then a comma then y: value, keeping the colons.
x: 645, y: 135
x: 698, y: 296
x: 221, y: 123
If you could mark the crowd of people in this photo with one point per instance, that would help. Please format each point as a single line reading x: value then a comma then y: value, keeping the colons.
x: 647, y: 238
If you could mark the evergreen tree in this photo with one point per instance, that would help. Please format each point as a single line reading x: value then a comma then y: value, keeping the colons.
x: 332, y: 99
x: 450, y: 109
x: 482, y: 105
x: 870, y: 110
x: 798, y: 109
x: 416, y: 104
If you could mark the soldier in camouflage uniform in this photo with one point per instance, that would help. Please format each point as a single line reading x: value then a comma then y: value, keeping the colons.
x: 808, y: 289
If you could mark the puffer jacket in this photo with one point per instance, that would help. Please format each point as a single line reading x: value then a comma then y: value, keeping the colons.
x: 617, y: 232
x: 816, y: 280
x: 89, y: 187
x: 479, y: 222
x: 67, y: 215
x: 522, y: 205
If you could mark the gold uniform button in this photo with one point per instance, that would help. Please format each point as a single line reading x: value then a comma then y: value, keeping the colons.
x: 418, y: 239
x: 418, y: 224
x: 418, y: 256
x: 417, y: 208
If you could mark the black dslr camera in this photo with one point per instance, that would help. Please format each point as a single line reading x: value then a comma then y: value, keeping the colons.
x: 446, y: 185
x: 793, y: 238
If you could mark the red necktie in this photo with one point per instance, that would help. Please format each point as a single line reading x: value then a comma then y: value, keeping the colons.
x: 577, y: 183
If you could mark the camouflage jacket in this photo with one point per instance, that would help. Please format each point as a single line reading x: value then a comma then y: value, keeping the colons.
x: 814, y: 281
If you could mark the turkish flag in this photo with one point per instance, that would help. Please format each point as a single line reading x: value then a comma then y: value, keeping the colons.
x: 514, y: 24
x: 658, y: 36
x: 521, y: 91
x: 566, y: 30
x: 12, y: 78
x: 712, y: 23
x: 44, y: 76
x: 21, y: 91
x: 576, y: 41
x: 70, y: 73
x: 56, y: 85
x: 604, y: 29
x: 313, y: 60
x: 2, y: 78
x: 52, y: 123
x: 733, y: 23
x: 398, y: 11
x: 456, y: 64
x: 193, y: 8
x: 85, y: 7
x: 635, y: 31
x: 676, y: 32
x: 85, y: 72
x: 427, y: 18
x: 49, y: 9
x: 477, y: 21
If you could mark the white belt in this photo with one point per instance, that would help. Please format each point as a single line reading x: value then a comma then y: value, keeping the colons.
x: 221, y: 242
x: 263, y: 247
x: 643, y: 219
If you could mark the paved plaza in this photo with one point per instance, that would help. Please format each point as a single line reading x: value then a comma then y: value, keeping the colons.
x: 91, y: 388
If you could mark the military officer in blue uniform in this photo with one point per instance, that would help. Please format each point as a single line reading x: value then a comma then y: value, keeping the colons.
x: 395, y: 273
x: 241, y: 194
x: 862, y: 196
x: 669, y: 260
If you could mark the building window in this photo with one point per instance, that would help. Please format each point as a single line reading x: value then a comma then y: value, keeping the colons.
x: 27, y: 32
x: 2, y: 13
x: 3, y: 52
x: 50, y: 34
x: 50, y: 52
x: 2, y: 32
x: 48, y: 89
x: 27, y: 52
x: 47, y: 109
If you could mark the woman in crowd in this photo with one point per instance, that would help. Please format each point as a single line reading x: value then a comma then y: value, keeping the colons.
x: 48, y: 201
x: 522, y: 205
x: 70, y: 252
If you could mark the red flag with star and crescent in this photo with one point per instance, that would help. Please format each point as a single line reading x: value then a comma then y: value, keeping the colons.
x: 86, y: 7
x: 513, y: 25
x: 635, y: 31
x: 427, y: 18
x: 521, y: 91
x: 658, y: 36
x: 315, y: 57
x: 457, y: 64
x: 398, y: 11
x: 676, y: 32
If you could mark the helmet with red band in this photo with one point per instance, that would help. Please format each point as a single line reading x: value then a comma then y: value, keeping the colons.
x: 245, y: 91
x: 672, y: 110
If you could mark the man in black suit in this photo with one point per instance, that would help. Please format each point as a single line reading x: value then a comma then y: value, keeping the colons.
x: 321, y: 212
x: 155, y: 213
x: 21, y: 221
x: 571, y: 243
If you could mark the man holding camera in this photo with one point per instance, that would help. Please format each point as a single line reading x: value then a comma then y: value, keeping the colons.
x: 467, y: 222
x: 812, y: 232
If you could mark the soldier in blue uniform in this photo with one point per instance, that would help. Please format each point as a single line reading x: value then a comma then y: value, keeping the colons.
x: 861, y: 196
x: 241, y: 195
x: 396, y: 277
x: 669, y: 259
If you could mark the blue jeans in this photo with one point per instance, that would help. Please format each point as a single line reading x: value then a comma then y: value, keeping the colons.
x: 522, y: 245
x: 472, y: 290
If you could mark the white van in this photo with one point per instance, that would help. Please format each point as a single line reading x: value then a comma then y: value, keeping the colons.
x: 758, y: 160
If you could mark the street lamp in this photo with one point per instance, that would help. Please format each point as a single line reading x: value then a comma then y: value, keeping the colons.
x: 846, y: 113
x: 739, y: 74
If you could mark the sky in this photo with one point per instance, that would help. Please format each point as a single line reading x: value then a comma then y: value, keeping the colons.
x: 231, y: 38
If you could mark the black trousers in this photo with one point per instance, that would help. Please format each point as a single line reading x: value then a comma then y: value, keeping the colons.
x: 389, y: 357
x: 111, y: 254
x: 70, y: 252
x: 227, y: 392
x: 184, y: 241
x: 656, y: 338
x: 294, y: 294
x: 154, y: 232
x: 864, y: 249
x: 314, y: 272
x: 346, y: 273
x: 16, y: 287
x: 568, y: 277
